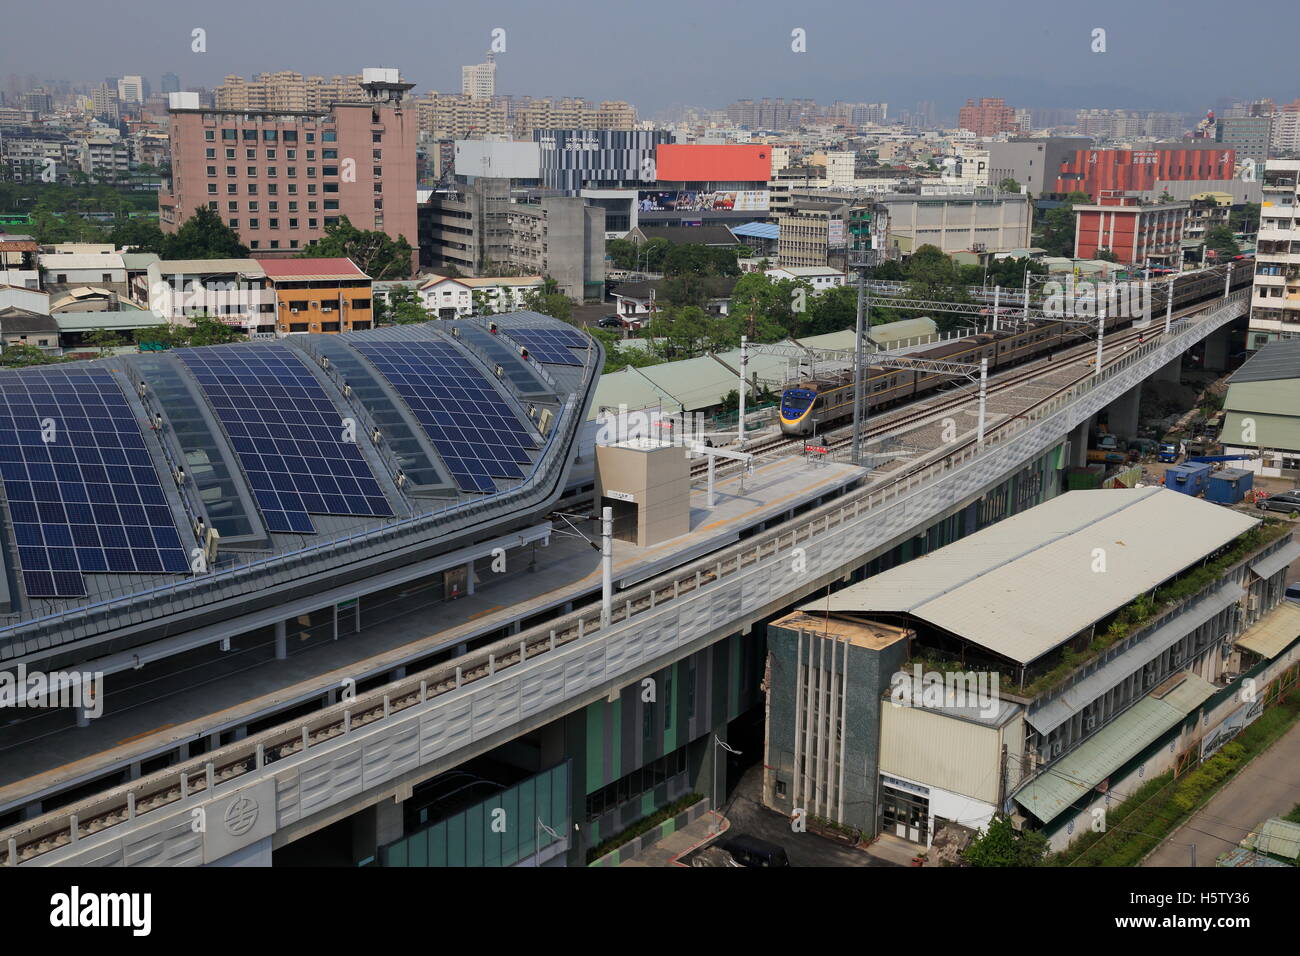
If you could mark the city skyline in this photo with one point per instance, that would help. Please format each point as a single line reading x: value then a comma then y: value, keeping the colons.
x: 839, y: 63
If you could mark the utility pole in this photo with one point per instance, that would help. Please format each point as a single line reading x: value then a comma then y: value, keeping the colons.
x: 740, y: 425
x: 1169, y: 304
x: 863, y: 329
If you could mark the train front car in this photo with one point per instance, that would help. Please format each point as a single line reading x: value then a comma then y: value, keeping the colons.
x: 797, y: 411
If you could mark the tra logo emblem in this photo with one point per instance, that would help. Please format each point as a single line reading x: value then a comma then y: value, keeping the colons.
x: 241, y: 815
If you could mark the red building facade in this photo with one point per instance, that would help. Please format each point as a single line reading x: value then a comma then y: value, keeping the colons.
x: 1136, y: 234
x: 1094, y: 171
x: 988, y: 117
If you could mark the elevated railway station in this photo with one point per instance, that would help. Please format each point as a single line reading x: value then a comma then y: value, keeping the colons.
x: 366, y: 666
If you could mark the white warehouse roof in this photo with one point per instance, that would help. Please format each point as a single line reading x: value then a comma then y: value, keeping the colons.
x: 1020, y: 587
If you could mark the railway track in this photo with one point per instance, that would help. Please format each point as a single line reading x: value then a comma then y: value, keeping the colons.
x: 906, y: 416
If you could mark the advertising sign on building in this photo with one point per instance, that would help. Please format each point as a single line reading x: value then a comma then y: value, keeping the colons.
x: 692, y: 201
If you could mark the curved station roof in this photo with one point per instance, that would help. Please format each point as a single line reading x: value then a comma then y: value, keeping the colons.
x: 140, y: 487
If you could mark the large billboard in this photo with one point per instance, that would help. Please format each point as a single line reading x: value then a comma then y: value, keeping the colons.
x: 690, y: 200
x: 699, y: 163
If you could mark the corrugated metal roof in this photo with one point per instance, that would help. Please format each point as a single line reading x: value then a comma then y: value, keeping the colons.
x: 1274, y: 361
x: 989, y: 587
x: 54, y: 261
x: 1280, y: 838
x: 1059, y: 709
x: 204, y: 266
x: 1274, y: 632
x: 1277, y: 561
x: 694, y: 383
x: 1078, y: 772
x: 768, y: 368
x: 1280, y: 432
x: 759, y: 230
x: 627, y: 387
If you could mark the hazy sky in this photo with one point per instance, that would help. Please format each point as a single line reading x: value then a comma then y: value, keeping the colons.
x: 1159, y: 55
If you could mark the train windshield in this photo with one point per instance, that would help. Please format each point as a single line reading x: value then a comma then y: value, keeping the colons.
x: 795, y: 401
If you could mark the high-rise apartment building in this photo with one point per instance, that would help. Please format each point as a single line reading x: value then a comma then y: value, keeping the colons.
x: 1275, y: 300
x: 771, y: 114
x: 1249, y: 136
x: 132, y: 89
x: 480, y: 79
x: 279, y: 178
x: 171, y: 83
x: 1285, y: 133
x: 988, y: 117
x: 286, y: 90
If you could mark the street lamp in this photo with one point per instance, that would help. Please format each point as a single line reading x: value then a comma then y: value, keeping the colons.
x: 537, y: 840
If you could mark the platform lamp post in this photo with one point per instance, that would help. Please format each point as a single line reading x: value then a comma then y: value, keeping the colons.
x: 744, y: 376
x: 1169, y: 303
x: 537, y: 840
x: 606, y: 563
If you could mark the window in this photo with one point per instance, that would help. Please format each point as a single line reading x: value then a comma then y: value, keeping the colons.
x: 311, y: 205
x: 229, y: 135
x: 233, y: 223
x: 275, y: 243
x: 272, y: 189
x: 376, y: 154
x: 252, y: 189
x: 252, y: 206
x: 331, y: 187
x: 376, y: 136
x: 360, y: 303
x: 250, y: 134
x: 378, y: 171
x: 311, y: 154
x: 250, y: 154
x: 232, y: 206
x: 293, y: 205
x: 329, y: 136
x: 254, y: 244
x: 329, y: 154
x: 274, y: 224
x: 212, y: 188
x: 291, y: 172
x: 272, y: 207
x: 290, y: 154
x: 252, y: 172
x: 270, y: 154
x: 209, y: 135
x: 289, y: 136
x: 230, y: 154
x: 232, y: 188
x: 270, y: 135
x: 254, y: 224
x: 311, y: 223
x: 209, y: 154
x: 331, y: 204
x: 293, y: 223
x: 212, y: 206
x: 329, y: 170
x: 232, y: 171
x: 311, y: 189
x: 293, y: 189
x: 311, y: 172
x: 311, y: 138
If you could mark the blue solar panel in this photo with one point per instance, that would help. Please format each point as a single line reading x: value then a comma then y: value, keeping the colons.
x: 550, y: 345
x: 83, y: 494
x: 288, y: 435
x: 477, y: 433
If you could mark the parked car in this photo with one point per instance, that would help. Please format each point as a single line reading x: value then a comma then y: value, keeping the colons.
x: 611, y: 322
x: 1287, y: 502
x: 748, y: 850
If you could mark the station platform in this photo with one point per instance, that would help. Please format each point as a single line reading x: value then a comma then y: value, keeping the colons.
x: 41, y: 752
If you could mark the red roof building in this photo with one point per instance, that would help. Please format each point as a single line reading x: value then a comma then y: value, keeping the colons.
x: 1136, y: 234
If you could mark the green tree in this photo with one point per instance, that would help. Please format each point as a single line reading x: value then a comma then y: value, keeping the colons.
x: 167, y: 336
x: 204, y: 236
x: 375, y: 253
x: 208, y: 330
x: 832, y: 310
x: 933, y: 275
x: 403, y: 307
x: 1002, y: 845
x: 1221, y: 241
x: 1105, y: 255
x: 1009, y: 185
x: 19, y: 356
x: 1245, y: 219
x: 548, y: 300
x: 103, y: 340
x: 142, y: 235
x: 622, y: 253
x: 1058, y: 226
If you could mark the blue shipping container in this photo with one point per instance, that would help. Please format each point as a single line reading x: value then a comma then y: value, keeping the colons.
x: 1229, y: 486
x: 1187, y: 479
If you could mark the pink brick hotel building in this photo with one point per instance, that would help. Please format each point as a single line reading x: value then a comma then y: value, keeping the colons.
x: 278, y: 179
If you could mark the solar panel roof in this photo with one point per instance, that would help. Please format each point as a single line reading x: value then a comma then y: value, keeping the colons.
x: 475, y: 430
x: 83, y: 494
x: 287, y: 433
x: 550, y: 345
